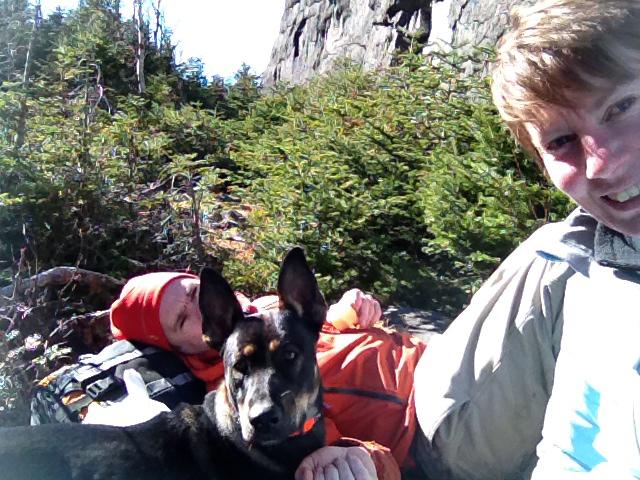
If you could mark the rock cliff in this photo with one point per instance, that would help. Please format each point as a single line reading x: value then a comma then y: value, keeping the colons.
x: 316, y: 33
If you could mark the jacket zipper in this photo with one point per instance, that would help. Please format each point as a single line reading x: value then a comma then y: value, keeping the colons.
x: 366, y: 393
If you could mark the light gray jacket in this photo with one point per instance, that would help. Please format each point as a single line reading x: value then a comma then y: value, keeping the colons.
x: 482, y: 388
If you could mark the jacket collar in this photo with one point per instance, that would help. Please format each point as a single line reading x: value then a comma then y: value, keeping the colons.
x: 613, y: 249
x: 582, y: 240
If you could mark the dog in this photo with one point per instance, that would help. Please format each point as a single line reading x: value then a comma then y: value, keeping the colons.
x: 260, y: 423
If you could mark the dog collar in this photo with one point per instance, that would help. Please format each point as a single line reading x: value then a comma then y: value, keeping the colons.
x: 307, y: 426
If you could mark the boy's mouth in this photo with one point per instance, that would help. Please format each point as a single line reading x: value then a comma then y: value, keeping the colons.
x: 625, y: 195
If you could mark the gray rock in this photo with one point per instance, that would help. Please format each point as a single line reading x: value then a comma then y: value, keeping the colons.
x: 461, y: 23
x: 315, y: 34
x: 422, y: 323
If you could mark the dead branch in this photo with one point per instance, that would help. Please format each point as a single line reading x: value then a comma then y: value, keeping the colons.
x: 60, y: 276
x: 85, y: 320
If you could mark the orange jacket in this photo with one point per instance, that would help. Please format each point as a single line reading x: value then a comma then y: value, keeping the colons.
x: 367, y: 377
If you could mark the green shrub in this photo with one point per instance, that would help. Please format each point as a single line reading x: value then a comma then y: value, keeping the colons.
x: 402, y: 181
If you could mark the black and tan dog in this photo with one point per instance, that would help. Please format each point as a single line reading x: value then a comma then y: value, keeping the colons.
x: 261, y: 422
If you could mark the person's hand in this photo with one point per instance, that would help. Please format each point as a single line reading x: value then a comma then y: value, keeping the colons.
x: 337, y: 463
x: 367, y: 309
x: 135, y: 408
x: 243, y: 300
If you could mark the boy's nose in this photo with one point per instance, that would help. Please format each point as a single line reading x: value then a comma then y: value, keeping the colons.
x: 598, y: 156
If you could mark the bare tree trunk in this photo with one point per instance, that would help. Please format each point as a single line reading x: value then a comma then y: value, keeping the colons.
x: 156, y: 9
x: 196, y: 231
x: 22, y: 119
x: 140, y: 47
x: 37, y: 18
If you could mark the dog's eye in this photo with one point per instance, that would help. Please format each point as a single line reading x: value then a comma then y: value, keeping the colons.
x: 290, y: 355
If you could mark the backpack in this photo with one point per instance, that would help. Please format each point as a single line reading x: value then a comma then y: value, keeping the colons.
x: 64, y: 395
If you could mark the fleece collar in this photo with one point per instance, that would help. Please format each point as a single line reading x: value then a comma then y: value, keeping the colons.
x: 583, y: 240
x: 613, y: 249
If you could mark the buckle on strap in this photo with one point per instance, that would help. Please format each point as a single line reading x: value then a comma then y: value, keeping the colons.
x: 101, y: 388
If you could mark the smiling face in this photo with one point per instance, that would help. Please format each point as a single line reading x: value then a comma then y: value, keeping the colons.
x: 592, y: 153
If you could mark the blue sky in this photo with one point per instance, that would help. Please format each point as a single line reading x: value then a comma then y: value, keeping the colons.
x: 223, y: 33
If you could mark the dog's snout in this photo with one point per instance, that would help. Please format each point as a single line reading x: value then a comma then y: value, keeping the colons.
x: 263, y: 417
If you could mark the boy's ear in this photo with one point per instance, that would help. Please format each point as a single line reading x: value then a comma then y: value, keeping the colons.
x: 219, y: 308
x: 298, y: 289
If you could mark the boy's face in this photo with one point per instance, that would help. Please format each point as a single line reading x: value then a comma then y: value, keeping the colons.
x: 180, y: 315
x: 592, y: 153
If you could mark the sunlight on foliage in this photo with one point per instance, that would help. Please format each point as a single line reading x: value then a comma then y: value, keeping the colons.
x: 403, y: 181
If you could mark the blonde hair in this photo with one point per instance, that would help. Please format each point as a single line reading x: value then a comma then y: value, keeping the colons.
x: 557, y: 47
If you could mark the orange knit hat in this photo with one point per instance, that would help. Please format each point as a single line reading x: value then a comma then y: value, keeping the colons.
x: 135, y: 315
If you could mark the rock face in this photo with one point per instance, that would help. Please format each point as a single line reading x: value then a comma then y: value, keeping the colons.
x: 470, y: 22
x: 314, y: 34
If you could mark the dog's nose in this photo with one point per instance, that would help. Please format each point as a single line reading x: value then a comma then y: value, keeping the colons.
x: 263, y: 417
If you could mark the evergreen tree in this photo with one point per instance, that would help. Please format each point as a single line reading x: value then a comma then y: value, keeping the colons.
x: 242, y: 93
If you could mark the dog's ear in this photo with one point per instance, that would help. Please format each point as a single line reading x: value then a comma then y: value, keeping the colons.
x: 298, y: 289
x: 219, y: 308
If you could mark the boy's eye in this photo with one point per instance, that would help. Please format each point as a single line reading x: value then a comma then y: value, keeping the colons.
x: 619, y: 108
x: 180, y: 321
x: 558, y: 143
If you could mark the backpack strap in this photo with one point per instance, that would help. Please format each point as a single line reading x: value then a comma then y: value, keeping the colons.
x: 94, y: 371
x: 158, y: 387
